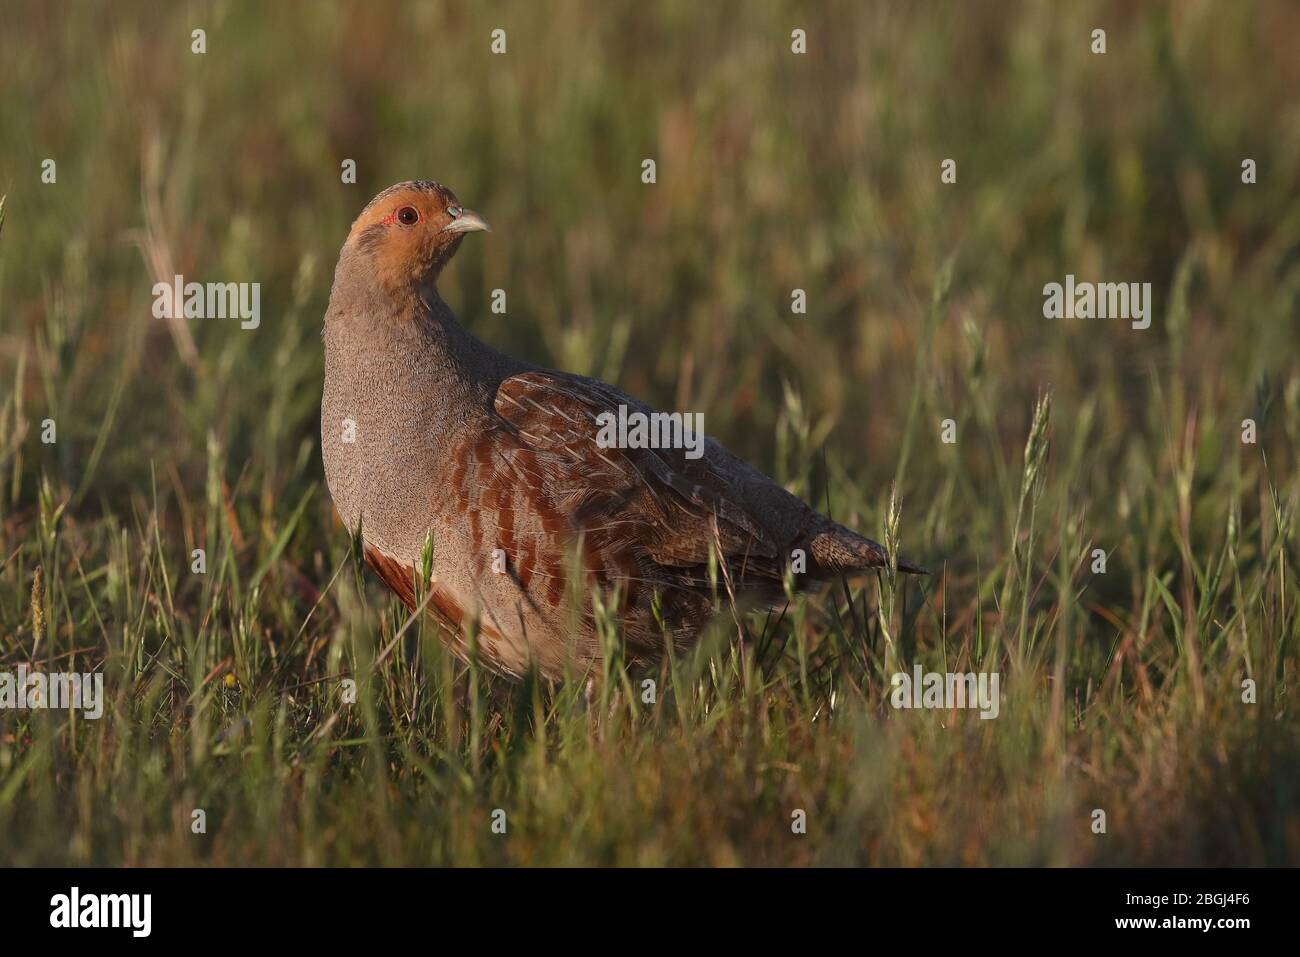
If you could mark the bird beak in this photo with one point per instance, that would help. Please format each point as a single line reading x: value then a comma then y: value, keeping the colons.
x: 467, y: 222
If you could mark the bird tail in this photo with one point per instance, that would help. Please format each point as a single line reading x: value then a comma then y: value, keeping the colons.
x: 835, y: 548
x: 911, y: 567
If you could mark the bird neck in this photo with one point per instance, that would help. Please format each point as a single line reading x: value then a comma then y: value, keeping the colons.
x: 409, y: 339
x: 445, y: 343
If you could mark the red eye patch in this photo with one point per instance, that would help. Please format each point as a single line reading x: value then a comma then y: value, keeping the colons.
x: 405, y: 215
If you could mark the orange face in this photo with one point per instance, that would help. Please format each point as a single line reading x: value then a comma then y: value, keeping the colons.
x: 410, y: 231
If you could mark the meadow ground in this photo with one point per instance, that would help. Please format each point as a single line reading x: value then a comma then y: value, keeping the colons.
x: 1122, y: 689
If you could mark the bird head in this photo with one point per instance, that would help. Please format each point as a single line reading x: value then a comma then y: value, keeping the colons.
x: 410, y: 231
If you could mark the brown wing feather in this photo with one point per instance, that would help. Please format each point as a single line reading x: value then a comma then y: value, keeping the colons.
x: 646, y: 517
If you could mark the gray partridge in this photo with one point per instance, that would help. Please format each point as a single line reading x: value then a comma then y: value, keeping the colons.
x: 428, y: 431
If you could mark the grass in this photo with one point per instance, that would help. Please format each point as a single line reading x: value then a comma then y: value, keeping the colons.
x: 1121, y: 690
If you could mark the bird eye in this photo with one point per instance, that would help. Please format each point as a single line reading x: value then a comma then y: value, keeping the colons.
x: 408, y: 216
x: 454, y: 211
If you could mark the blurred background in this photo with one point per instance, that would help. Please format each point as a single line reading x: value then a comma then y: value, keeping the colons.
x: 775, y: 172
